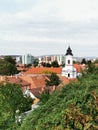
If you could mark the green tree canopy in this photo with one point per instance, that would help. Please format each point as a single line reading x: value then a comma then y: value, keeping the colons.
x: 74, y: 107
x: 96, y: 61
x: 11, y: 100
x: 55, y: 64
x: 53, y: 80
x: 83, y: 61
x: 7, y: 68
x: 35, y: 63
x: 10, y: 60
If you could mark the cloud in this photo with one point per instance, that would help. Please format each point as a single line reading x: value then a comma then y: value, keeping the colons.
x: 48, y: 24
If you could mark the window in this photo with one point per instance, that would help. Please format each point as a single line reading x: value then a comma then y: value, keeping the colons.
x: 68, y: 75
x: 68, y: 61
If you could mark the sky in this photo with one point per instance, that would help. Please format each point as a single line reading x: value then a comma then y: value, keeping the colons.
x: 44, y: 27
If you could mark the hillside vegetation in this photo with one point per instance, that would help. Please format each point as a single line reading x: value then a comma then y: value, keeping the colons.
x: 74, y: 107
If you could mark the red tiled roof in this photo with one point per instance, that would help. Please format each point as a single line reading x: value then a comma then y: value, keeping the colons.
x: 64, y: 80
x: 17, y: 80
x: 40, y: 70
x: 36, y: 81
x: 78, y: 67
x: 43, y: 70
x: 39, y: 81
x: 36, y: 91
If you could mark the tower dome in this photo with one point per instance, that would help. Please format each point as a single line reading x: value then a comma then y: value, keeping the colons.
x: 69, y: 51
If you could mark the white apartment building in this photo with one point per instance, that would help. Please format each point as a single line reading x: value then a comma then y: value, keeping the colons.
x: 27, y: 59
x: 50, y: 58
x: 60, y: 59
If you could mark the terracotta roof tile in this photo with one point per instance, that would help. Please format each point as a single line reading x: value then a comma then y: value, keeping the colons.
x: 42, y: 70
x: 78, y: 67
x: 15, y: 79
x: 64, y: 80
x: 36, y: 81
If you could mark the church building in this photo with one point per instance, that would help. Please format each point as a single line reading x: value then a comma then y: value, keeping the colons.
x: 69, y: 71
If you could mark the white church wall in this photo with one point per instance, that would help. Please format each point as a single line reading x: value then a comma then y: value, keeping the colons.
x: 69, y: 71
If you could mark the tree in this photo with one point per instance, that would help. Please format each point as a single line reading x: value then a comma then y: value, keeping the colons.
x: 35, y: 63
x: 10, y: 60
x: 91, y: 68
x: 7, y: 68
x: 55, y: 64
x: 48, y: 65
x: 11, y: 100
x: 74, y: 107
x: 53, y: 80
x: 45, y: 96
x: 5, y: 112
x: 83, y: 61
x: 96, y: 61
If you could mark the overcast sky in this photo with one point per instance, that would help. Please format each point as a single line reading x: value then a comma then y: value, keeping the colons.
x: 43, y: 27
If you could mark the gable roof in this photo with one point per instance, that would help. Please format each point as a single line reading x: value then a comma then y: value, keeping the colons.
x: 36, y: 81
x: 17, y: 80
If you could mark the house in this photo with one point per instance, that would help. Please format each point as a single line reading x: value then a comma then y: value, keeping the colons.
x: 38, y: 83
x: 15, y: 80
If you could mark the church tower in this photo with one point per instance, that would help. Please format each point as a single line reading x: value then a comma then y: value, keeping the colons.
x: 69, y: 71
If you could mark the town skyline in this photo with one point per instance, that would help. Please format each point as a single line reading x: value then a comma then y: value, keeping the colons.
x: 48, y: 27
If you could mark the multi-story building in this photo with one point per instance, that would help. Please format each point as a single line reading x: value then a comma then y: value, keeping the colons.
x: 49, y: 59
x: 27, y: 59
x: 60, y: 59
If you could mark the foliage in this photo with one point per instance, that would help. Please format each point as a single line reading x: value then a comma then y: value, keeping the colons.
x: 91, y: 68
x: 35, y: 63
x: 29, y: 65
x: 74, y: 107
x: 83, y: 61
x: 55, y: 64
x: 11, y: 100
x: 44, y: 97
x: 10, y: 60
x: 46, y: 64
x: 53, y: 80
x: 96, y: 61
x: 76, y: 62
x: 7, y: 66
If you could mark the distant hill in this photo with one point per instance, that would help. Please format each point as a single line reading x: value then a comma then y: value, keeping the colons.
x: 74, y: 107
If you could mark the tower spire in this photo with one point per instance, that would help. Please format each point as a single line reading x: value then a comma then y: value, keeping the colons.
x: 69, y: 51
